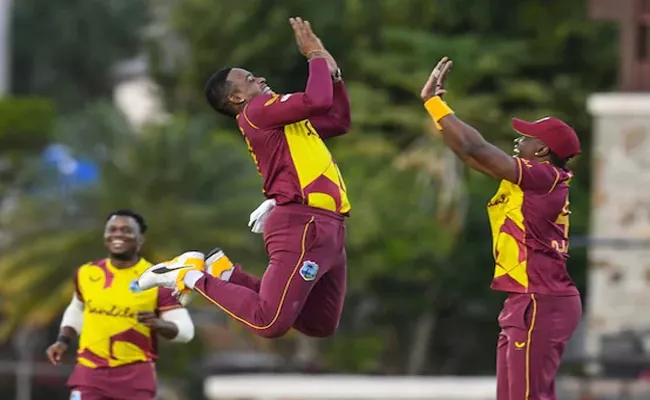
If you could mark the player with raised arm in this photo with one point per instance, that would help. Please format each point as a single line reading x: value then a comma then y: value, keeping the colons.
x: 118, y: 329
x: 304, y: 230
x: 529, y: 217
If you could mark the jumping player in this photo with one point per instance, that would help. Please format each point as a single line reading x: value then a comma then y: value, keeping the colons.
x: 529, y: 216
x: 305, y: 282
x: 117, y: 328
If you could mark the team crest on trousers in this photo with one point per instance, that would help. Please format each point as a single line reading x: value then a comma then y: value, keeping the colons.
x: 309, y: 270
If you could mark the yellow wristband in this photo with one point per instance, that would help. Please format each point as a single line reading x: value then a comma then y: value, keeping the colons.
x: 437, y: 109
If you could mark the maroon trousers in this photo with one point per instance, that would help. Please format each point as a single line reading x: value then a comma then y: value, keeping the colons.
x: 135, y: 381
x: 534, y: 331
x: 304, y: 284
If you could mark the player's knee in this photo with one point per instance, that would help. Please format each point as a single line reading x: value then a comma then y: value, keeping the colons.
x: 321, y: 333
x: 272, y: 324
x: 274, y: 331
x: 322, y: 330
x: 327, y: 330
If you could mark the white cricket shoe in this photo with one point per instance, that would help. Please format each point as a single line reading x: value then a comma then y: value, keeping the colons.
x: 218, y: 264
x: 170, y: 274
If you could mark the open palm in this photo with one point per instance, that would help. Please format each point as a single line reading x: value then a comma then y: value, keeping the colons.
x: 435, y: 85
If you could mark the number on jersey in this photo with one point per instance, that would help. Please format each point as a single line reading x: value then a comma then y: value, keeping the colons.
x: 563, y: 221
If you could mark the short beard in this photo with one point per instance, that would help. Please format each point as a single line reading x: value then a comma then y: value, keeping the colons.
x: 128, y: 256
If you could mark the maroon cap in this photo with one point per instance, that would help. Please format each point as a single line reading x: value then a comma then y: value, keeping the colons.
x: 560, y: 138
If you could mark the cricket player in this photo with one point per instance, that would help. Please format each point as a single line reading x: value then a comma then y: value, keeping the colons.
x: 117, y: 328
x: 304, y: 231
x: 529, y: 217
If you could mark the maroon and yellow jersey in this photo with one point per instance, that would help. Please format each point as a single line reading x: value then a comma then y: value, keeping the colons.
x: 285, y: 136
x: 530, y: 230
x: 111, y: 335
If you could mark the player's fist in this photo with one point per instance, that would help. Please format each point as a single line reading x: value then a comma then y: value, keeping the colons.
x: 148, y: 318
x: 308, y: 43
x: 55, y: 352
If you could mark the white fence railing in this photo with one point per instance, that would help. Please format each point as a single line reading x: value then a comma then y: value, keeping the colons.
x: 348, y: 387
x: 352, y: 387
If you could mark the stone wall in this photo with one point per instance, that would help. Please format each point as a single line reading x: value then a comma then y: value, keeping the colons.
x: 619, y: 274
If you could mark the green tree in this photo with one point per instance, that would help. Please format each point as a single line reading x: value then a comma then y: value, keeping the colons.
x: 534, y: 60
x: 416, y: 259
x: 26, y: 127
x: 67, y: 49
x: 194, y: 185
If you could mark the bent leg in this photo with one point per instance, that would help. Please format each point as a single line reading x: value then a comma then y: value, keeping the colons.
x: 219, y: 265
x: 285, y: 286
x: 242, y: 278
x: 321, y: 313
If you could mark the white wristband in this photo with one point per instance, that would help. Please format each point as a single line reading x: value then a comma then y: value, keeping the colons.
x: 191, y: 277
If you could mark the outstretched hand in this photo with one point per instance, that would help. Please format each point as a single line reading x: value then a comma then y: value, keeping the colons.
x: 310, y: 44
x: 307, y: 41
x: 435, y: 85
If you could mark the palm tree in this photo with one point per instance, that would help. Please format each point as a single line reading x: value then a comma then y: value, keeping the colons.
x: 441, y: 173
x: 441, y: 178
x: 195, y: 187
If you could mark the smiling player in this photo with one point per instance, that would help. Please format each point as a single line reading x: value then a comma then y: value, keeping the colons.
x: 118, y: 329
x: 304, y: 284
x: 529, y: 216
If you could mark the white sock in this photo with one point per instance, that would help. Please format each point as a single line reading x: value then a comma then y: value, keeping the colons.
x: 225, y: 275
x: 191, y: 277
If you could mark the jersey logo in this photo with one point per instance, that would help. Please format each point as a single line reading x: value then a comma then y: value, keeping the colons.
x: 75, y: 395
x: 134, y: 287
x: 520, y: 345
x: 309, y: 270
x: 285, y: 98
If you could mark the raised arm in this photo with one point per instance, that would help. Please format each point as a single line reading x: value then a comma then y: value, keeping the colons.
x: 472, y: 148
x: 468, y: 143
x: 274, y: 111
x: 337, y: 120
x: 271, y: 111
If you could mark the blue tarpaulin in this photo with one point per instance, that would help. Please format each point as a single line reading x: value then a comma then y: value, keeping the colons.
x: 72, y: 172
